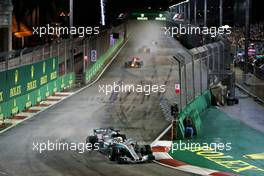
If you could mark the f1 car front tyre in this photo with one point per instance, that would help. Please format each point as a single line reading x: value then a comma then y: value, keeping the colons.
x: 151, y: 157
x: 113, y: 154
x: 148, y: 149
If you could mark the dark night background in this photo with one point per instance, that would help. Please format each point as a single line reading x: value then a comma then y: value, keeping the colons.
x: 88, y: 12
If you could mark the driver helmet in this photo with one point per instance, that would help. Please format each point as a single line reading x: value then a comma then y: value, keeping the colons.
x: 119, y: 139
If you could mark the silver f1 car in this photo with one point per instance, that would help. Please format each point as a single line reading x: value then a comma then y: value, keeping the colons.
x: 119, y: 148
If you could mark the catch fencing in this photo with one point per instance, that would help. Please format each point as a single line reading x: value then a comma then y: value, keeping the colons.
x: 200, y: 68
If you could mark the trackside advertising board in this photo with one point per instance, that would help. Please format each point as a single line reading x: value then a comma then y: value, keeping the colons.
x: 22, y: 87
x: 25, y: 79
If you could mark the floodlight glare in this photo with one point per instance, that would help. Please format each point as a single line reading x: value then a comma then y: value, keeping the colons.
x: 102, y: 12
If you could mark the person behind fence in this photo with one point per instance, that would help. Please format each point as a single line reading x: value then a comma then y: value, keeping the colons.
x: 189, y: 131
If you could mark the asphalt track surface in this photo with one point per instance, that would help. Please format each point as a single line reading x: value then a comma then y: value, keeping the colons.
x: 137, y: 115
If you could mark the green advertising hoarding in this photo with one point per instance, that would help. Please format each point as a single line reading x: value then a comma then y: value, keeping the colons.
x: 25, y: 86
x: 23, y: 80
x: 2, y: 87
x: 92, y: 71
x: 16, y: 82
x: 155, y: 15
x: 20, y: 103
x: 3, y: 95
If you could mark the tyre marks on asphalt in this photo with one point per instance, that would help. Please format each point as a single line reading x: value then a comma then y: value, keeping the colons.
x: 72, y: 162
x: 128, y: 100
x: 3, y: 173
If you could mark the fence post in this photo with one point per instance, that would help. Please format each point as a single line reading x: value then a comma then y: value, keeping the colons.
x: 43, y: 53
x: 180, y: 79
x: 213, y: 56
x: 223, y: 60
x: 84, y: 54
x: 207, y: 70
x: 21, y: 55
x: 6, y: 62
x: 72, y: 56
x: 65, y: 57
x: 201, y: 77
x: 58, y: 50
x: 219, y: 58
x: 193, y: 77
x: 32, y: 56
x: 185, y: 84
x: 51, y: 50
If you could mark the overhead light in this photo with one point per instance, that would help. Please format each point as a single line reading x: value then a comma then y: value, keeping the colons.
x: 142, y: 17
x: 160, y: 18
x: 102, y: 12
x: 62, y: 14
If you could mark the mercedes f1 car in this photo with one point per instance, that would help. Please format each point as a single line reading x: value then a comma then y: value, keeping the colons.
x: 119, y: 148
x: 135, y: 62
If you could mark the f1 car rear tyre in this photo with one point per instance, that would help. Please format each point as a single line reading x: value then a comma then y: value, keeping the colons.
x: 141, y: 64
x: 92, y: 140
x: 151, y: 157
